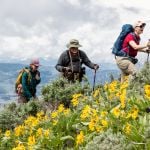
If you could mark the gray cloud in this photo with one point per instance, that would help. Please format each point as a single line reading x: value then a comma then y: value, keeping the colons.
x: 42, y: 28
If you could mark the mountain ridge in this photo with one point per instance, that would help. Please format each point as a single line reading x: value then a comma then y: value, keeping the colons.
x: 9, y: 71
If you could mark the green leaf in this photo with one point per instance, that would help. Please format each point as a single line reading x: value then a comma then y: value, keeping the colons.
x: 68, y: 137
x: 85, y: 123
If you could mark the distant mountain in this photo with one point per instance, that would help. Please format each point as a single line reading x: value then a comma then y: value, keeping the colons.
x: 9, y: 71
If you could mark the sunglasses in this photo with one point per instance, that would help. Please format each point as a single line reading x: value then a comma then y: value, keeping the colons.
x: 142, y: 25
x: 36, y: 66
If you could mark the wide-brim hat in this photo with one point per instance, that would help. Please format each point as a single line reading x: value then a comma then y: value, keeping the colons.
x: 73, y: 43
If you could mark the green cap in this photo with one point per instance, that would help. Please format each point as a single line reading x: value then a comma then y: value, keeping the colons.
x: 73, y: 43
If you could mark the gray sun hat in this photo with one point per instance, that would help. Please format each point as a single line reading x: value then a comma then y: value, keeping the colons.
x: 73, y: 43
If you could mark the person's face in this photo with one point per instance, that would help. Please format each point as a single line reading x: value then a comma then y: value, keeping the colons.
x: 74, y: 50
x: 34, y: 68
x: 139, y: 29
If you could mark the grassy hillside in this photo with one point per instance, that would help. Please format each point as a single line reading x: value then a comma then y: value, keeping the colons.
x: 114, y: 116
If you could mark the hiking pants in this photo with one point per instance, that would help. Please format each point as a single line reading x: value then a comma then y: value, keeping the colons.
x: 73, y: 76
x: 22, y: 99
x: 126, y: 67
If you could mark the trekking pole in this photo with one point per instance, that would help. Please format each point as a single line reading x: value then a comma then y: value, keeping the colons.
x: 94, y: 80
x: 148, y: 52
x: 148, y: 57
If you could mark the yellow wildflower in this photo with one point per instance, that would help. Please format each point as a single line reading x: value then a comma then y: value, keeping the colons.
x: 31, y: 121
x: 61, y: 108
x: 96, y: 93
x: 122, y: 98
x: 111, y: 96
x: 116, y: 112
x: 47, y: 132
x: 31, y: 130
x: 80, y: 138
x: 46, y: 118
x: 75, y: 102
x: 148, y: 95
x: 54, y: 114
x: 124, y: 85
x: 20, y: 146
x: 85, y: 112
x: 122, y: 114
x: 35, y: 122
x: 19, y: 130
x: 31, y: 140
x: 40, y: 114
x: 147, y: 91
x: 104, y: 113
x: 94, y: 112
x: 77, y: 95
x: 99, y: 128
x: 112, y: 86
x: 55, y: 122
x: 118, y: 93
x: 66, y: 111
x: 127, y: 128
x: 104, y: 123
x: 7, y: 133
x: 39, y: 132
x: 128, y: 115
x: 147, y: 87
x: 134, y: 113
x: 17, y: 142
x: 92, y: 125
x: 106, y: 86
x: 95, y: 118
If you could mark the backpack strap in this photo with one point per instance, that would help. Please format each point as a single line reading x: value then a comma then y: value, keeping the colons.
x: 72, y: 62
x: 70, y: 59
x: 27, y: 70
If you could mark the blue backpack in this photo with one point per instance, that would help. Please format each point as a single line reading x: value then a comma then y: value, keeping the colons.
x: 117, y: 47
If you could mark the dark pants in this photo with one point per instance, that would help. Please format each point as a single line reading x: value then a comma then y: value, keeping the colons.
x: 22, y: 99
x: 73, y: 76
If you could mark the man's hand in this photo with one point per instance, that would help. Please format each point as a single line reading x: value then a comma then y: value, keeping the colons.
x: 66, y: 69
x: 37, y: 76
x: 148, y: 44
x: 96, y: 66
x: 148, y: 50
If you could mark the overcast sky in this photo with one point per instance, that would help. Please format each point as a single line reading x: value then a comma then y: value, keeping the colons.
x: 42, y: 28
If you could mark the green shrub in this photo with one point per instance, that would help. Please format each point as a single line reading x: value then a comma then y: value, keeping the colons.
x: 14, y: 114
x: 142, y: 78
x: 108, y: 141
x: 30, y: 108
x: 8, y: 120
x: 61, y: 90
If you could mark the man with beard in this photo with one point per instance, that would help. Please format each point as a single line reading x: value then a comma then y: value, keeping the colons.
x: 70, y: 62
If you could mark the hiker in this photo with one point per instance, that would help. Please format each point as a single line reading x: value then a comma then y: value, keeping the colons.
x: 130, y: 47
x: 70, y: 62
x: 30, y: 79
